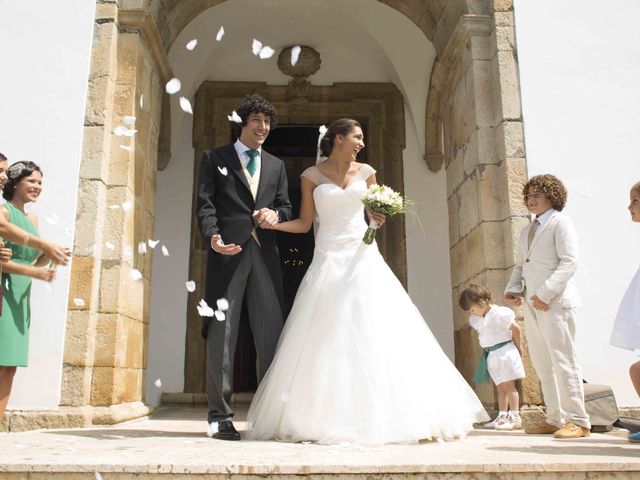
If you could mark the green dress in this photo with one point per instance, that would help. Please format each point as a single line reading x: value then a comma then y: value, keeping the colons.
x: 16, y: 308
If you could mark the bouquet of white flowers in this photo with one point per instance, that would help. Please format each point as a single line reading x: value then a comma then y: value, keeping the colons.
x: 384, y: 200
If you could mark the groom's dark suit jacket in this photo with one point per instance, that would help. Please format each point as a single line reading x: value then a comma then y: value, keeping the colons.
x: 225, y: 206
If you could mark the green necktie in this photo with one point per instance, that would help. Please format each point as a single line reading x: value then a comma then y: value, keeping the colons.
x: 252, y: 166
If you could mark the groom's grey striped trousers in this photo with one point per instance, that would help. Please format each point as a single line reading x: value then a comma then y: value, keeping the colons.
x: 252, y: 282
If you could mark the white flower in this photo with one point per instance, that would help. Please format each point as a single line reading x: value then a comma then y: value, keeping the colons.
x: 173, y: 86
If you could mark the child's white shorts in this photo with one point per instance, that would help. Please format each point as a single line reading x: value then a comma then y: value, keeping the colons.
x: 505, y: 364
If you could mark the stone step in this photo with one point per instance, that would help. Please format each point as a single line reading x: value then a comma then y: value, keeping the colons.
x: 171, y: 444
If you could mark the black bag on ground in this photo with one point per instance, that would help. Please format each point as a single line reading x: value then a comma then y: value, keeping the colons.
x: 601, y: 406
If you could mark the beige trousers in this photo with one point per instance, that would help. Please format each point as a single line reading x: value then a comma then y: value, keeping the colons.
x: 550, y: 339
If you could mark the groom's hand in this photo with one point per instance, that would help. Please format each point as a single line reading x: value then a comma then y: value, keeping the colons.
x: 266, y: 217
x: 218, y: 246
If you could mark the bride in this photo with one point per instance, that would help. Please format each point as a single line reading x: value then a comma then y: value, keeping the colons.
x: 356, y: 362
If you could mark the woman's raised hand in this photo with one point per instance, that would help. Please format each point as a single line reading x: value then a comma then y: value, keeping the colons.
x: 57, y: 253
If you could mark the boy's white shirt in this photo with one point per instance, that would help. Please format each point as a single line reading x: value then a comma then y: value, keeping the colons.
x: 495, y: 326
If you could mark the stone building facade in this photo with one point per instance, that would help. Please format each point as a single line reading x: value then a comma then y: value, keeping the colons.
x: 474, y: 131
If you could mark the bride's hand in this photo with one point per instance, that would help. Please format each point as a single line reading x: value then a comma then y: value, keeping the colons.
x: 266, y: 218
x: 377, y: 219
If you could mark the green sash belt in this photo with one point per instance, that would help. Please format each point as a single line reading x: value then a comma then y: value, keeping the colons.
x: 482, y: 372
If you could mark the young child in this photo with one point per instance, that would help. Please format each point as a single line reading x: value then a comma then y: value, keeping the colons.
x: 626, y: 328
x: 499, y: 336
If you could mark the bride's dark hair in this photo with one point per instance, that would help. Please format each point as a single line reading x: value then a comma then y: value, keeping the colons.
x: 338, y: 127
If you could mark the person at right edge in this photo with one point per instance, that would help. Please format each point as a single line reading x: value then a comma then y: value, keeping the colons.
x: 542, y: 281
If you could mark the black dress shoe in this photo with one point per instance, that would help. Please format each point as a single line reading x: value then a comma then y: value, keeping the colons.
x: 226, y: 431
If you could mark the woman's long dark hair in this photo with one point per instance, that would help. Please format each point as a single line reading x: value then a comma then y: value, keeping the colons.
x: 342, y: 126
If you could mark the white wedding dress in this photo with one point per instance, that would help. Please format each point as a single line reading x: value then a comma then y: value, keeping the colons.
x: 356, y: 362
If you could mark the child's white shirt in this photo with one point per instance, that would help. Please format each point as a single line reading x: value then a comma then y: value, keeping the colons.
x: 495, y: 326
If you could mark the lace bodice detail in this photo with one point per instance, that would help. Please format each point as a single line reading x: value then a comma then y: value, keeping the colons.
x: 339, y: 212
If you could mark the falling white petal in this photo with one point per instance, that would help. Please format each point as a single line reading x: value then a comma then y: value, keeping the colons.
x: 141, y: 100
x: 126, y: 206
x: 173, y: 86
x: 223, y: 304
x: 110, y: 246
x: 78, y: 302
x: 119, y: 130
x: 256, y: 46
x: 127, y: 148
x: 153, y: 243
x: 114, y: 207
x: 220, y: 34
x: 128, y: 252
x: 284, y: 397
x: 219, y: 315
x: 165, y: 251
x: 129, y: 120
x: 142, y: 248
x: 185, y: 105
x: 52, y: 219
x: 98, y: 476
x: 266, y: 52
x: 205, y: 310
x: 234, y: 117
x: 191, y: 286
x: 295, y: 54
x: 135, y: 274
x: 158, y: 383
x: 192, y: 44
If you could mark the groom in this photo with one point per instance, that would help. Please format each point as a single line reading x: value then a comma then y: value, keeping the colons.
x: 241, y: 189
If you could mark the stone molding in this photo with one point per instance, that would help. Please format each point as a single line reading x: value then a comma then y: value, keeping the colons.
x: 443, y: 80
x: 143, y: 21
x: 72, y: 417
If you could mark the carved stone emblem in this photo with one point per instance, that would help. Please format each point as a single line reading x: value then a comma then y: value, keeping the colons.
x: 308, y: 62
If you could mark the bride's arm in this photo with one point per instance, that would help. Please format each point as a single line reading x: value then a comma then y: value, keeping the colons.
x: 307, y: 211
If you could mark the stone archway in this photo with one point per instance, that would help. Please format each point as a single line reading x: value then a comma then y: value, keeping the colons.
x: 474, y: 130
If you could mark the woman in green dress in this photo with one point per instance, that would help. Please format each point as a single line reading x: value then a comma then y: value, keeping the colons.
x: 24, y: 185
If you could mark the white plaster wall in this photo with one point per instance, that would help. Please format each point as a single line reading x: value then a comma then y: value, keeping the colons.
x: 45, y: 52
x: 358, y: 40
x: 579, y: 67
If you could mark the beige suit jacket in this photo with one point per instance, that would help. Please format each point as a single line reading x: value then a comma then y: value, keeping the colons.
x: 546, y: 268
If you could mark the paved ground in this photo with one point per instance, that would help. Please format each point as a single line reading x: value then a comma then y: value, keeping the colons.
x: 173, y: 441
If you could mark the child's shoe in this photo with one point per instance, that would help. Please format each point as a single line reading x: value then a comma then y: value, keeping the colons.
x: 634, y: 437
x: 502, y: 417
x: 513, y: 422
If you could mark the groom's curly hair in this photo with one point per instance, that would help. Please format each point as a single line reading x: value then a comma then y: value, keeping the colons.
x: 256, y: 104
x: 552, y: 188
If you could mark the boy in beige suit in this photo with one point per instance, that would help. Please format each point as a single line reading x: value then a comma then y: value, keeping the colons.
x: 542, y: 280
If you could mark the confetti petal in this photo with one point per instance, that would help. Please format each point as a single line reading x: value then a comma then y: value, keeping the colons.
x: 141, y: 100
x: 192, y: 44
x: 234, y: 117
x: 78, y: 302
x: 114, y: 207
x: 153, y: 243
x: 52, y: 219
x: 142, y: 248
x: 205, y: 310
x: 173, y: 86
x: 110, y: 246
x: 127, y: 148
x: 135, y: 274
x: 128, y: 252
x: 126, y: 206
x: 98, y: 476
x: 266, y: 52
x: 220, y: 316
x: 223, y: 304
x: 256, y: 46
x: 165, y: 251
x: 158, y: 383
x: 129, y: 120
x: 295, y: 54
x: 191, y: 286
x: 220, y: 34
x: 122, y: 131
x: 185, y: 105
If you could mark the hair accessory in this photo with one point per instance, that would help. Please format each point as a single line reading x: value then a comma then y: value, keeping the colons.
x: 15, y: 170
x: 319, y: 157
